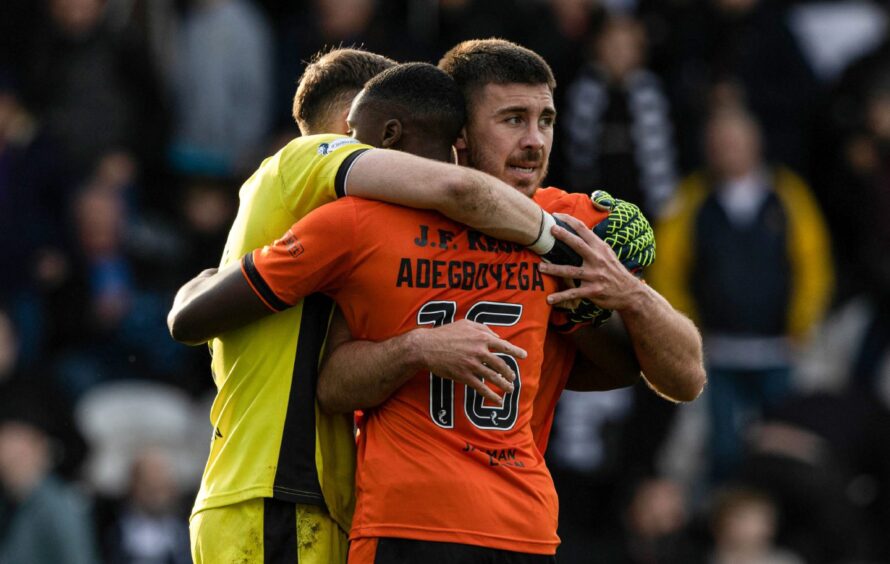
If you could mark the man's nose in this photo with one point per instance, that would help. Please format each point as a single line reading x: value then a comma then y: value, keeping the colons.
x: 533, y: 137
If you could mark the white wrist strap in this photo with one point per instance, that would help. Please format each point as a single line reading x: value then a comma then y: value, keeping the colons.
x: 545, y: 241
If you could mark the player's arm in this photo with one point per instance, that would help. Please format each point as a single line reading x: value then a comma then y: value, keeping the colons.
x: 666, y: 343
x: 212, y: 303
x: 313, y: 256
x: 465, y: 195
x: 363, y: 374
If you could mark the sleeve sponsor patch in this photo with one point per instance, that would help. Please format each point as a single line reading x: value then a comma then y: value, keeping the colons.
x: 328, y: 148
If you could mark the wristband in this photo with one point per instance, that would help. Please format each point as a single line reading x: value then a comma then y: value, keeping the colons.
x: 561, y: 252
x: 545, y: 241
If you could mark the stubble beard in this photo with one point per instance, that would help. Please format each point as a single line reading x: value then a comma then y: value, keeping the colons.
x: 478, y: 160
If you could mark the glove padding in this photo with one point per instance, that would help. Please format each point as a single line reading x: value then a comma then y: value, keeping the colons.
x: 627, y: 231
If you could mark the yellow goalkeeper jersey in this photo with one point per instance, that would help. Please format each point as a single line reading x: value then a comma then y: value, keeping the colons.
x: 269, y: 438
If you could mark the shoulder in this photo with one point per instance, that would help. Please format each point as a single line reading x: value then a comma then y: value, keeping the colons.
x: 386, y: 215
x: 546, y: 195
x: 318, y: 156
x: 556, y: 200
x: 318, y: 145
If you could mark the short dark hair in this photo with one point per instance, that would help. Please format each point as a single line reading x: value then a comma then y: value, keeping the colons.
x: 330, y: 80
x: 426, y: 94
x: 477, y: 62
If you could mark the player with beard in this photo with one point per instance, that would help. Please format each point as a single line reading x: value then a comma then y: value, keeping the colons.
x: 509, y: 134
x: 525, y: 166
x: 468, y: 484
x: 277, y: 465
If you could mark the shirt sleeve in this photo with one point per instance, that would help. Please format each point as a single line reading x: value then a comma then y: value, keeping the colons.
x: 321, y: 163
x: 554, y: 200
x: 314, y: 255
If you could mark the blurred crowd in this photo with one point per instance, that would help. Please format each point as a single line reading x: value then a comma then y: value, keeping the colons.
x: 754, y: 133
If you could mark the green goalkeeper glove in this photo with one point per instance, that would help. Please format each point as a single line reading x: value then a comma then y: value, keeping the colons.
x: 627, y: 231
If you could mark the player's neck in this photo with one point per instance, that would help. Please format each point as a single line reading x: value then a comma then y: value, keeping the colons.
x: 428, y: 150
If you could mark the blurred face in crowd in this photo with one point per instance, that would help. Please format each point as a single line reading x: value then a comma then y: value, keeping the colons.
x: 878, y: 113
x: 732, y: 144
x: 344, y: 18
x: 76, y: 17
x: 509, y: 133
x: 153, y: 487
x: 657, y: 509
x: 620, y: 47
x: 99, y: 216
x: 746, y: 526
x: 24, y: 457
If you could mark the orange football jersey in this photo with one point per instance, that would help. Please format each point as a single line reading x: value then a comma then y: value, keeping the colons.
x: 559, y: 351
x: 435, y: 461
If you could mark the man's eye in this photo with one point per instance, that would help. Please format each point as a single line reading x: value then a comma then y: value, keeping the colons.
x: 513, y: 120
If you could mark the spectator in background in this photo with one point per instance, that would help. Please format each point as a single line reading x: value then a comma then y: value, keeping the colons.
x: 848, y: 360
x: 617, y: 131
x: 584, y: 458
x: 324, y: 25
x: 150, y: 526
x: 815, y: 455
x: 107, y: 321
x: 208, y: 207
x: 744, y: 524
x: 656, y: 526
x: 747, y: 47
x: 224, y: 66
x: 43, y: 520
x: 460, y: 20
x: 20, y: 378
x: 743, y: 250
x: 559, y: 31
x: 95, y: 89
x: 864, y: 178
x: 34, y: 191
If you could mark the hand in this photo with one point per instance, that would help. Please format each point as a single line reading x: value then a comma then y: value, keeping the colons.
x: 465, y: 351
x: 601, y: 278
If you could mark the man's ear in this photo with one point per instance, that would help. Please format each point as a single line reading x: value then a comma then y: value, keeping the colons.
x: 460, y: 147
x: 392, y: 134
x: 339, y: 124
x: 461, y: 143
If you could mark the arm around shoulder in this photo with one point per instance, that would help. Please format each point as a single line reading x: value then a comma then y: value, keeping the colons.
x: 211, y: 304
x: 460, y: 193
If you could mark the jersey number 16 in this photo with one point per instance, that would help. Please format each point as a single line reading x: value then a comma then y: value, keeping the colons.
x: 442, y: 390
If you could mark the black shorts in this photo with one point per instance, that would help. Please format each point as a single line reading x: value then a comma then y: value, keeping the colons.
x: 406, y: 551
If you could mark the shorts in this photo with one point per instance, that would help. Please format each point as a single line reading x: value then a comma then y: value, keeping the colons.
x: 409, y: 551
x: 265, y: 531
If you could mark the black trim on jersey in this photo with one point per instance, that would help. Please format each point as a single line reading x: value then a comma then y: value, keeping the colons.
x: 397, y: 550
x: 296, y: 478
x: 279, y: 532
x: 343, y: 172
x: 260, y: 285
